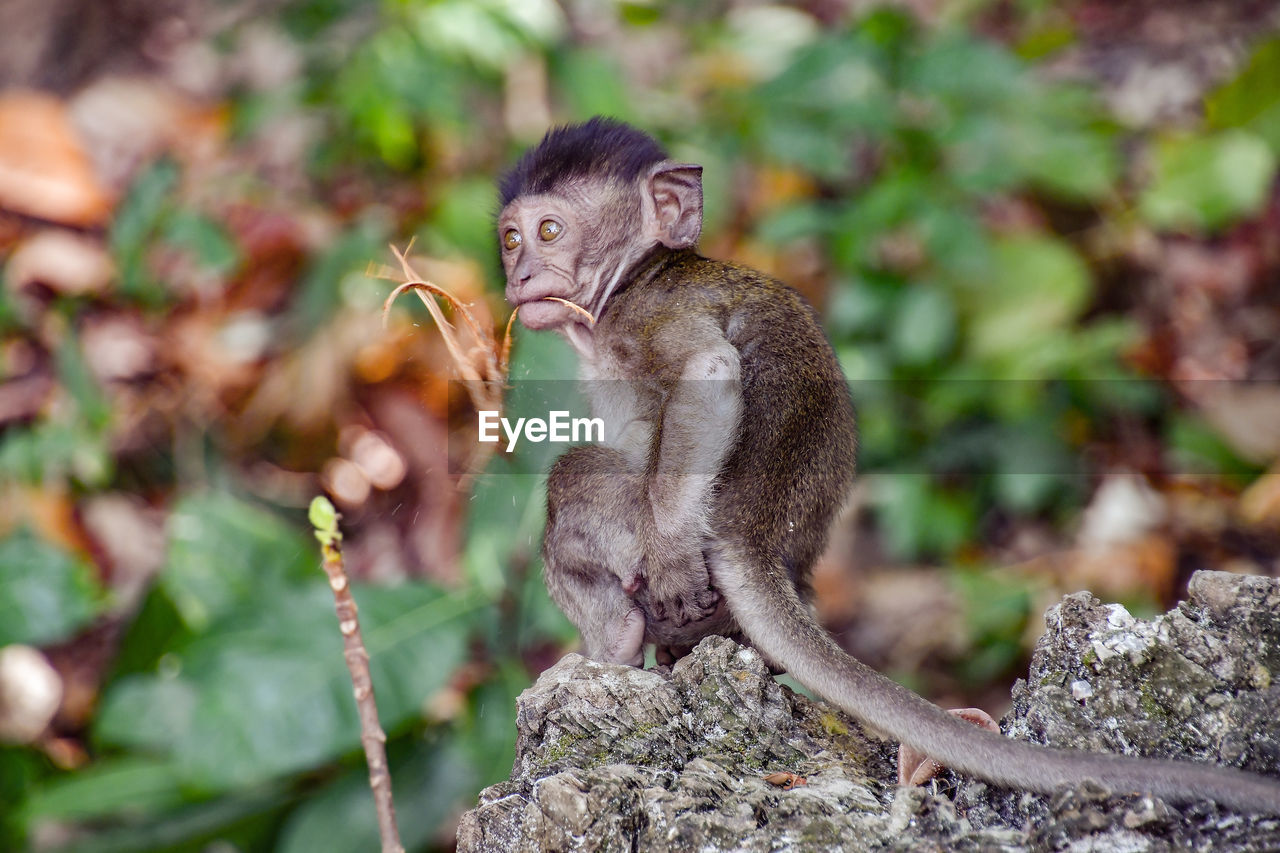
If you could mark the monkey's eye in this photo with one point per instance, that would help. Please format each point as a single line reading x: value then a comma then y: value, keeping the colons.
x: 511, y: 239
x: 549, y: 229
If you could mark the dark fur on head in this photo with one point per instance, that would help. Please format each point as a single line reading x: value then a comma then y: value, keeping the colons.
x: 602, y: 148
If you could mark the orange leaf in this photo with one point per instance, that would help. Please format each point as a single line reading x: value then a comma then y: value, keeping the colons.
x: 44, y: 170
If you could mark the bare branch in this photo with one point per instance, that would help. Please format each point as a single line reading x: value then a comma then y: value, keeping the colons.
x: 325, y: 520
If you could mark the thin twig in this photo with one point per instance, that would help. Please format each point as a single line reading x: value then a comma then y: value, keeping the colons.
x: 325, y: 521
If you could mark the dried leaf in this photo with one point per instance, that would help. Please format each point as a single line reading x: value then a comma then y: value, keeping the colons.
x: 483, y: 364
x: 1260, y: 503
x: 61, y: 260
x: 44, y: 170
x: 785, y: 780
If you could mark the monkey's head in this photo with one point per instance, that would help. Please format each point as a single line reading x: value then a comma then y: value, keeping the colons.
x: 581, y: 207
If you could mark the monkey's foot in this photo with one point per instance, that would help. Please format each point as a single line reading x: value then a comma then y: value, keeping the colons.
x: 626, y: 644
x: 916, y: 768
x: 668, y: 655
x: 693, y: 606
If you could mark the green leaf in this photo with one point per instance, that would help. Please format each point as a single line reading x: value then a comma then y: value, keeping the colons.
x: 322, y: 515
x: 963, y: 71
x: 463, y: 221
x: 505, y: 517
x: 1207, y: 182
x: 244, y: 821
x: 958, y: 246
x: 1196, y: 448
x: 146, y: 712
x: 900, y: 197
x: 50, y: 451
x: 322, y: 283
x: 1026, y: 492
x: 504, y: 523
x: 485, y: 737
x: 592, y: 83
x: 857, y: 307
x: 1252, y: 99
x: 224, y: 553
x: 267, y: 691
x: 483, y: 32
x: 982, y: 151
x: 1072, y: 163
x: 794, y: 222
x: 375, y: 117
x: 1046, y: 40
x: 81, y: 384
x: 45, y: 593
x: 813, y: 114
x: 430, y: 783
x: 154, y: 629
x: 924, y: 325
x: 1038, y: 286
x: 116, y: 786
x: 917, y: 517
x: 206, y: 241
x: 21, y: 769
x: 996, y: 612
x: 135, y: 225
x: 1032, y: 465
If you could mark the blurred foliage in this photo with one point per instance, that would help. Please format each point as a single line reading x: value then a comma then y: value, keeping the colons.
x: 976, y: 225
x: 977, y: 318
x: 45, y: 594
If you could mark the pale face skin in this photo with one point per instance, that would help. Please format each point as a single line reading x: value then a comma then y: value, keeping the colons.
x: 541, y: 243
x: 575, y: 243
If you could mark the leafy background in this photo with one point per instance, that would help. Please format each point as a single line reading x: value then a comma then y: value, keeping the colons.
x: 1045, y: 238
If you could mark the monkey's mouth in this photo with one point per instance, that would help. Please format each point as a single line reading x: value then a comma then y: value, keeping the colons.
x: 551, y: 311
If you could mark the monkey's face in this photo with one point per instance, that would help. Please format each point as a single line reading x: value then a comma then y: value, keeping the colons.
x: 541, y: 239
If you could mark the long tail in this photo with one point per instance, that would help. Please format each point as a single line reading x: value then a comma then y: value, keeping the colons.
x: 773, y: 617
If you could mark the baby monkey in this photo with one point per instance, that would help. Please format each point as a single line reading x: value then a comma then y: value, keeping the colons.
x: 729, y: 448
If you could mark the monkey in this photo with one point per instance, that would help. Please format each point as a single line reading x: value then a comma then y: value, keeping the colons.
x: 729, y: 448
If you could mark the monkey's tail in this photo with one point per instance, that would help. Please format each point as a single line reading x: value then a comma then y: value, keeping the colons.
x: 773, y: 617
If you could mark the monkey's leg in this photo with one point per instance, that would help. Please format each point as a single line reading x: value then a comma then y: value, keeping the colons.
x: 612, y: 625
x: 592, y: 551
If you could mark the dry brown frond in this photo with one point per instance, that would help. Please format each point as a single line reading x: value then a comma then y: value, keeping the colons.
x: 483, y: 363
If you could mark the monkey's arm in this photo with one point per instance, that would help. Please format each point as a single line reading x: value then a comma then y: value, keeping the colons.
x: 698, y: 429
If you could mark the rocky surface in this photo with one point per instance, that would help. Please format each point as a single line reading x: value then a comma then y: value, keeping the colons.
x: 697, y: 757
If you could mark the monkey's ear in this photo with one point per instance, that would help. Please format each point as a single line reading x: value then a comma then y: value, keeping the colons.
x: 673, y: 204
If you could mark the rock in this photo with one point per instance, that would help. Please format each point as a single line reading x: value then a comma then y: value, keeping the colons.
x: 615, y: 758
